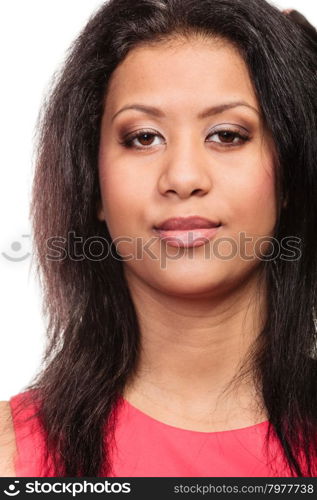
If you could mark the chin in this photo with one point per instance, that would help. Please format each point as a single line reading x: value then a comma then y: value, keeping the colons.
x: 192, y: 283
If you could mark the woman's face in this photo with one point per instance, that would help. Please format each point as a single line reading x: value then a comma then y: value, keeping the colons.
x: 201, y: 151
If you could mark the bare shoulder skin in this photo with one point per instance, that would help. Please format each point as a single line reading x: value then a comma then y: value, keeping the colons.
x: 7, y: 441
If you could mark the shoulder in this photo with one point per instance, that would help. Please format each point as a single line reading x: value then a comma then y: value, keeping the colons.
x: 7, y: 441
x: 30, y: 458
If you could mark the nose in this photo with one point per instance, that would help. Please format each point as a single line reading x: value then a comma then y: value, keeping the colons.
x: 185, y: 170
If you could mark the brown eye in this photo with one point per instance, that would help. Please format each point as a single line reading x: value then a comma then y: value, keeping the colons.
x: 228, y: 137
x: 141, y: 140
x: 145, y: 139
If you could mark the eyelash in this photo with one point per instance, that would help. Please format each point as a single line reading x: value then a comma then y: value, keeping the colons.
x: 127, y: 142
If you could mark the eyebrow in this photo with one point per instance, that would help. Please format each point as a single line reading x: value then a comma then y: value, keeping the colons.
x: 213, y: 110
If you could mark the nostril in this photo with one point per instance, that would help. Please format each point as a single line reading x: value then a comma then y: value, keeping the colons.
x: 197, y: 191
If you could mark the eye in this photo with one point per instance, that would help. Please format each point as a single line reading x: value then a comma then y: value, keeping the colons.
x: 144, y: 137
x: 228, y: 137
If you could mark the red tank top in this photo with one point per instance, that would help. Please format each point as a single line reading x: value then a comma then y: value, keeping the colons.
x: 145, y: 446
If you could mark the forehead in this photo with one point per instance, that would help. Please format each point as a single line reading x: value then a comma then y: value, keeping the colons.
x: 181, y: 72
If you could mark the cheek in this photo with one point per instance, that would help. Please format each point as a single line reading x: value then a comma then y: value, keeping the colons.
x: 251, y: 214
x: 121, y: 198
x: 254, y: 200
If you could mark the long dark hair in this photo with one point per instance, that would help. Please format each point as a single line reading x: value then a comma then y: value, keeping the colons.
x: 93, y: 331
x: 301, y: 20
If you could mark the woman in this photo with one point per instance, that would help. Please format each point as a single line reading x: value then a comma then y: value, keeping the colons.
x: 178, y: 146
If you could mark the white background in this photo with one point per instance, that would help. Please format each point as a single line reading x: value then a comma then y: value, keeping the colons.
x: 34, y: 36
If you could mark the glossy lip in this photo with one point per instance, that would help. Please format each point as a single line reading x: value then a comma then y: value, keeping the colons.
x: 187, y: 232
x: 191, y: 222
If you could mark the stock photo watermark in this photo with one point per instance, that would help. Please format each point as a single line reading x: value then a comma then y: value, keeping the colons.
x: 125, y: 248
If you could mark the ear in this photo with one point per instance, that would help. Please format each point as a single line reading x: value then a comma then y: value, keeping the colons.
x: 100, y: 211
x: 285, y: 201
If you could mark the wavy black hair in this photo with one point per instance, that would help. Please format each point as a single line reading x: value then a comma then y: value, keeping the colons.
x: 301, y: 20
x: 93, y: 331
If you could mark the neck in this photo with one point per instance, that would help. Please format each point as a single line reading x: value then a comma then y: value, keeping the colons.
x: 192, y: 349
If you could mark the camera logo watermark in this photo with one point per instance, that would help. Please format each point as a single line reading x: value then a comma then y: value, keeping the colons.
x: 17, y: 251
x: 12, y: 490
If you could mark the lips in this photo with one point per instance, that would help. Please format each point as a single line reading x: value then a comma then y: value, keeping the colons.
x: 187, y: 231
x: 182, y: 223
